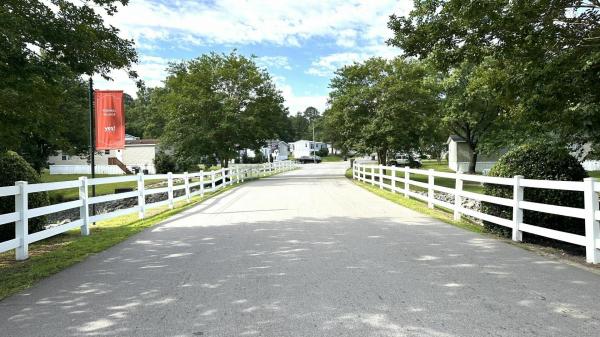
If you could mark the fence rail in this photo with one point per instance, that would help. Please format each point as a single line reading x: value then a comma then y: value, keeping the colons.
x: 378, y: 174
x: 197, y: 183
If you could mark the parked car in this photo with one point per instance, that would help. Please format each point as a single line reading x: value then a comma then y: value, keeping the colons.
x: 404, y: 160
x: 309, y: 159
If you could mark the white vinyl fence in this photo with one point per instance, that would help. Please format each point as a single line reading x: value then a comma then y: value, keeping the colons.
x: 192, y: 183
x: 377, y: 174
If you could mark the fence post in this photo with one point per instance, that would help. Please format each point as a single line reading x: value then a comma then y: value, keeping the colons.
x: 380, y: 177
x: 170, y: 189
x: 84, y: 212
x: 22, y: 225
x: 141, y: 196
x: 458, y: 187
x: 363, y: 173
x: 212, y: 173
x: 202, y: 183
x: 406, y: 181
x: 186, y: 181
x: 372, y: 175
x: 394, y: 170
x: 591, y: 224
x: 518, y: 192
x: 430, y: 190
x: 223, y: 180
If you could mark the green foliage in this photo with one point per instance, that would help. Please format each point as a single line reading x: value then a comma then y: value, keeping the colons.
x: 380, y: 106
x: 547, y: 52
x: 323, y: 152
x: 471, y: 107
x: 15, y: 168
x: 301, y: 125
x: 143, y: 117
x: 45, y: 47
x: 218, y: 104
x: 537, y: 161
x: 164, y: 162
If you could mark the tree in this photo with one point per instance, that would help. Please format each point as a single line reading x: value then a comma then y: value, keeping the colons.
x: 471, y: 107
x: 550, y: 50
x: 302, y: 123
x: 380, y: 106
x: 45, y: 46
x: 219, y: 104
x: 143, y: 117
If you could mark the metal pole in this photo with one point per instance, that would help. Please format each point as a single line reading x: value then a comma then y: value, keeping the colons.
x: 314, y: 145
x: 92, y: 139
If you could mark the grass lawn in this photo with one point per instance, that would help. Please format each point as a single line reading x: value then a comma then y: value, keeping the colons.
x: 73, y: 193
x: 594, y: 174
x: 417, y: 205
x: 332, y: 158
x: 470, y: 186
x: 56, y: 253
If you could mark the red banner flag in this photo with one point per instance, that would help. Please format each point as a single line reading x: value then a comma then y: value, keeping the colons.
x: 110, y: 119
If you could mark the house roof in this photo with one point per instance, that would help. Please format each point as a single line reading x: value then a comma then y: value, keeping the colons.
x: 456, y: 139
x: 141, y: 142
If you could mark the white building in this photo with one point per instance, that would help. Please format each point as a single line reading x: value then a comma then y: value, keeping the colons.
x: 459, y: 156
x: 278, y: 149
x: 138, y: 154
x: 303, y: 148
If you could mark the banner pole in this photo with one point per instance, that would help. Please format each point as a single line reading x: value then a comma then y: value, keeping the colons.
x: 92, y: 139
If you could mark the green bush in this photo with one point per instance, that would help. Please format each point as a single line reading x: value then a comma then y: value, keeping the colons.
x: 14, y: 168
x: 537, y: 161
x: 323, y: 152
x: 164, y: 163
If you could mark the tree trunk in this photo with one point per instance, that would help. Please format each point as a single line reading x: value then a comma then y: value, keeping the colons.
x: 224, y: 162
x: 473, y: 162
x: 381, y: 157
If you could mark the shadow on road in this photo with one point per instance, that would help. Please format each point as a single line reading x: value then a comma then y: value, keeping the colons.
x: 334, y: 276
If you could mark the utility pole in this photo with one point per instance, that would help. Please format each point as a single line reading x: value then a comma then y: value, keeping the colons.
x: 92, y: 139
x: 314, y: 144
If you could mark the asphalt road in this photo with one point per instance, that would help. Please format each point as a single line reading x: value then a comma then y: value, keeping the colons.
x: 308, y: 253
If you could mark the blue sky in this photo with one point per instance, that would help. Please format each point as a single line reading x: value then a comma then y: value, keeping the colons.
x: 300, y: 43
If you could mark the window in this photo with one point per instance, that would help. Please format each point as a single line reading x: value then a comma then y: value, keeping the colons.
x: 65, y: 157
x: 106, y: 151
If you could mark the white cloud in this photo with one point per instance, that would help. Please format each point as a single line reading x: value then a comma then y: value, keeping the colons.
x: 151, y: 69
x: 296, y: 103
x: 274, y: 62
x: 326, y: 65
x: 287, y: 23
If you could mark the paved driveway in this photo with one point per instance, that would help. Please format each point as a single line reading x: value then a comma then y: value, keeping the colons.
x: 308, y: 253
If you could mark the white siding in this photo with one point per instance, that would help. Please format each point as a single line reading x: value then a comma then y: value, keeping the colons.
x: 84, y: 169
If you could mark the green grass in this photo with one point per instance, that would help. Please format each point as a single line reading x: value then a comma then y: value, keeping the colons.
x: 469, y: 186
x: 73, y: 193
x: 421, y: 207
x: 56, y: 253
x: 594, y: 174
x: 332, y: 158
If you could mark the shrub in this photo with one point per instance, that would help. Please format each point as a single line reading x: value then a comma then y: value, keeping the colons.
x: 323, y: 152
x: 537, y: 161
x: 164, y: 163
x: 15, y: 168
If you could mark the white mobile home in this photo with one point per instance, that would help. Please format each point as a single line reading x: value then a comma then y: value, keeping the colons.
x: 303, y: 148
x: 138, y: 155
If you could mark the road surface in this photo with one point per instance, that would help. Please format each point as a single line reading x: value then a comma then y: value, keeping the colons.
x: 308, y: 253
